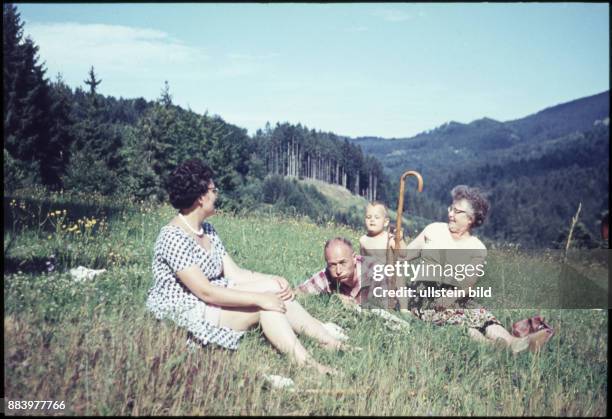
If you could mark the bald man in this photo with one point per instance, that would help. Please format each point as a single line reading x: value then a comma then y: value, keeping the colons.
x: 342, y: 274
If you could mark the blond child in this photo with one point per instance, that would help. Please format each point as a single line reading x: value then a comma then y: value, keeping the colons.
x: 377, y: 241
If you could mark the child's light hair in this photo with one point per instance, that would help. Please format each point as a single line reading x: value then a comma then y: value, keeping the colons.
x: 382, y: 204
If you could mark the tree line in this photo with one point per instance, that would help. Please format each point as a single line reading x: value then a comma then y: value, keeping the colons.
x: 80, y: 140
x: 294, y: 150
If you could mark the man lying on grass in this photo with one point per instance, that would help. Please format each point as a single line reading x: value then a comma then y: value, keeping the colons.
x: 343, y: 275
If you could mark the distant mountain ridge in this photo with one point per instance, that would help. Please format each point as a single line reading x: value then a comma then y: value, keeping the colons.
x: 541, y: 164
x: 555, y: 121
x: 577, y: 115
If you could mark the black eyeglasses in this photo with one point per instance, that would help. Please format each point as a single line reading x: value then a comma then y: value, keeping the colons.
x: 454, y: 209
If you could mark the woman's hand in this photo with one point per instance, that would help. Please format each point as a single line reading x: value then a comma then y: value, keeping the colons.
x: 285, y: 293
x: 270, y: 302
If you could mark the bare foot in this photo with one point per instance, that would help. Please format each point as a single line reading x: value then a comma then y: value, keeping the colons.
x: 332, y: 345
x: 323, y: 369
x: 341, y: 346
x: 350, y: 348
x: 519, y: 345
x: 538, y: 339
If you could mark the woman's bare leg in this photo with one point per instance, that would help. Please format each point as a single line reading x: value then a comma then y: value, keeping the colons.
x: 497, y: 333
x: 238, y: 319
x: 299, y: 319
x: 279, y: 332
x: 277, y: 329
x: 477, y: 336
x: 257, y: 285
x: 302, y: 322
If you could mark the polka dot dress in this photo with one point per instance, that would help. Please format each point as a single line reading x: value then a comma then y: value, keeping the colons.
x: 168, y: 298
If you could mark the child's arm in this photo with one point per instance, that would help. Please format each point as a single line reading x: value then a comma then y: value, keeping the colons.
x: 363, y: 251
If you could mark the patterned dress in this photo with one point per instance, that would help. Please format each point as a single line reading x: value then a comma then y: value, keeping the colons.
x: 438, y: 239
x: 168, y: 298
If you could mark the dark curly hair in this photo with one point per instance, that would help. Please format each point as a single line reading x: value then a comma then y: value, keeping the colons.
x: 477, y: 200
x: 188, y: 182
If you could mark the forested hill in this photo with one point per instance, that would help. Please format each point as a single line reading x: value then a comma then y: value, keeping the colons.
x: 79, y: 141
x: 576, y: 116
x: 536, y: 169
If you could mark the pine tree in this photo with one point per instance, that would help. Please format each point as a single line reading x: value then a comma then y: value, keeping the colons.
x: 12, y: 33
x: 95, y: 157
x: 166, y: 97
x: 56, y: 151
x: 92, y: 82
x: 26, y: 99
x: 152, y: 151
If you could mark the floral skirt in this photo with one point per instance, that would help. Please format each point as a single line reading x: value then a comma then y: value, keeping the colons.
x: 478, y: 318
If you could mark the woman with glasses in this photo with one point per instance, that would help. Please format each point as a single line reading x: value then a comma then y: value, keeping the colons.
x: 200, y: 287
x: 454, y: 243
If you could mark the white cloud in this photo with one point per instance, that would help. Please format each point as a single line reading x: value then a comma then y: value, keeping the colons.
x: 133, y: 61
x: 112, y: 47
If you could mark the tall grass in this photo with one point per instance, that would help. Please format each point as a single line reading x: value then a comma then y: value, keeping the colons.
x: 94, y: 346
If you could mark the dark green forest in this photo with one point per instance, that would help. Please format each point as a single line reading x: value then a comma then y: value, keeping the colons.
x: 80, y: 140
x: 535, y: 169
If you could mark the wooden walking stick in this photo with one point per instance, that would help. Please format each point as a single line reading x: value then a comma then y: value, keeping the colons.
x: 393, y: 256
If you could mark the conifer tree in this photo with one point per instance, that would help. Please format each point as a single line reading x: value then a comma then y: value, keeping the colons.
x: 95, y: 157
x: 26, y: 100
x: 166, y: 97
x: 92, y: 81
x: 152, y: 150
x: 56, y: 151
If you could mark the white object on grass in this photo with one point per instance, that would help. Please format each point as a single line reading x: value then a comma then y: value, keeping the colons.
x: 335, y: 330
x: 277, y: 381
x: 82, y: 273
x: 393, y: 322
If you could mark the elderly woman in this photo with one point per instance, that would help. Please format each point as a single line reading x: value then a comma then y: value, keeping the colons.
x: 468, y: 210
x: 200, y: 287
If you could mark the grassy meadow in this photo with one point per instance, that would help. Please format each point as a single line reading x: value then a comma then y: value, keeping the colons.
x: 93, y: 345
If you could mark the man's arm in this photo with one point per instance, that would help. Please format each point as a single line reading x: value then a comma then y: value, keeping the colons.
x: 316, y: 284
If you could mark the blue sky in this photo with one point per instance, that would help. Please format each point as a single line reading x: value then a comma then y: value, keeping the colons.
x: 384, y: 69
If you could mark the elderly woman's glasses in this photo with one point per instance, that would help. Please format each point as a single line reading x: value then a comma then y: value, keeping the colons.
x: 457, y: 211
x: 214, y: 190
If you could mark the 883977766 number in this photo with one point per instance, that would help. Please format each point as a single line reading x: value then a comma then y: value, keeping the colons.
x: 35, y: 405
